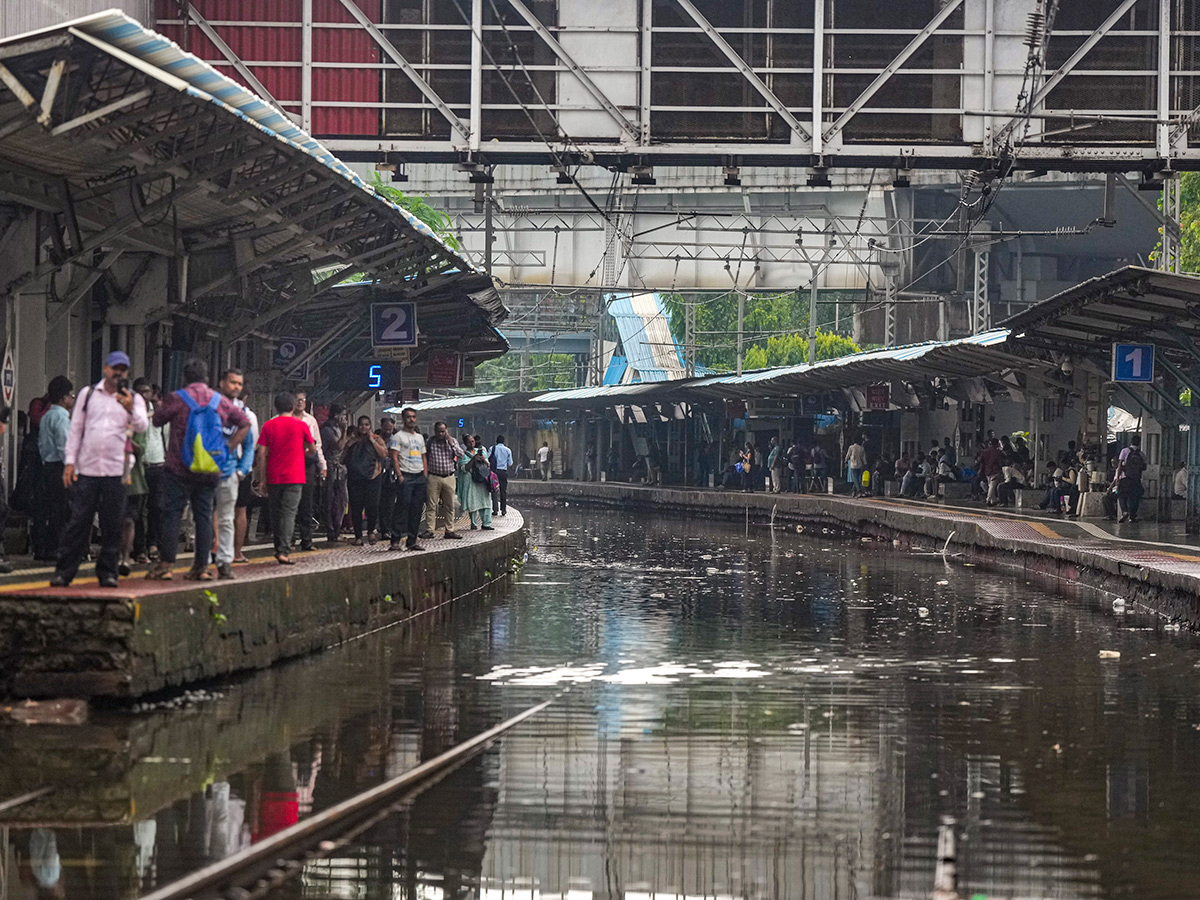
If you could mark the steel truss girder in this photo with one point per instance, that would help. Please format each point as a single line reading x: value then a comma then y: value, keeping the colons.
x: 413, y: 75
x: 631, y: 130
x: 883, y: 77
x: 748, y: 73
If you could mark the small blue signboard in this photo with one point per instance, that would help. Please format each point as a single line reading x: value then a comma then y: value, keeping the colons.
x: 393, y: 324
x: 1133, y: 362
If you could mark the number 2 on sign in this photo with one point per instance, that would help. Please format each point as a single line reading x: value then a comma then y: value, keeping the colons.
x: 374, y: 376
x: 394, y: 330
x: 1135, y: 356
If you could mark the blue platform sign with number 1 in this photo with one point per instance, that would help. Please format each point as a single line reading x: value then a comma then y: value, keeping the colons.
x: 393, y: 324
x: 1133, y: 362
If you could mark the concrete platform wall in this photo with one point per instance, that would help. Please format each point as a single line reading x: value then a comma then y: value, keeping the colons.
x: 96, y: 643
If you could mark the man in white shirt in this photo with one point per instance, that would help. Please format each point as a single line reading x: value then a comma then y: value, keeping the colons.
x: 543, y: 457
x: 314, y: 471
x: 407, y: 452
x: 145, y: 536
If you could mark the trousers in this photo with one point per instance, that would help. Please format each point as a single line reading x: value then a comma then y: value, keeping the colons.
x: 500, y: 497
x: 177, y: 493
x: 439, y: 502
x: 91, y: 496
x: 410, y: 503
x: 226, y: 504
x: 312, y: 478
x: 283, y: 501
x: 364, y: 502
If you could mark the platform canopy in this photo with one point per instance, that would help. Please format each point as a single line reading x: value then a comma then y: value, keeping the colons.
x: 122, y: 143
x: 1130, y: 305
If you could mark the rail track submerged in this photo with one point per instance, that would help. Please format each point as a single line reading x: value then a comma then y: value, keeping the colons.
x: 261, y: 868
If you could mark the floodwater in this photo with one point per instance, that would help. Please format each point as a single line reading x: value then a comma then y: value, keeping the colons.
x: 748, y: 716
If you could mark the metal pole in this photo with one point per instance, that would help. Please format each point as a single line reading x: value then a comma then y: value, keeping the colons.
x: 306, y: 64
x: 476, y: 74
x: 818, y: 84
x: 741, y: 316
x: 812, y: 318
x: 1192, y: 525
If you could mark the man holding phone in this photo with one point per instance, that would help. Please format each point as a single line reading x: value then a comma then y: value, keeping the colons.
x: 105, y: 415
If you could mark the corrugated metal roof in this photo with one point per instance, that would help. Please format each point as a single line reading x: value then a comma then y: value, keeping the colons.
x: 167, y: 62
x: 616, y: 370
x: 646, y: 336
x: 447, y: 403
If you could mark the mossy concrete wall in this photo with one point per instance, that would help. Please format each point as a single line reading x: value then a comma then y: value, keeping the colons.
x: 97, y: 643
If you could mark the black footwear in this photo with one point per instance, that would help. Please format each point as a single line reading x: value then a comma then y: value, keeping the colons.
x: 307, y: 548
x: 1124, y: 518
x: 6, y: 565
x: 425, y: 534
x: 453, y: 535
x: 414, y: 547
x: 487, y: 528
x: 60, y: 581
x: 473, y: 526
x: 396, y: 545
x: 225, y: 571
x: 359, y: 542
x: 123, y: 569
x: 109, y: 581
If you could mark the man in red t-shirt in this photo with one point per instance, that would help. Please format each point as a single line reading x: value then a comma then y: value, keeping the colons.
x: 283, y: 443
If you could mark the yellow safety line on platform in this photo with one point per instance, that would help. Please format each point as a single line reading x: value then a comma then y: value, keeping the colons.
x: 1044, y: 530
x: 44, y: 582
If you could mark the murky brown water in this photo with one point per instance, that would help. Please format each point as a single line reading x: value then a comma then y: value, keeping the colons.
x: 747, y: 717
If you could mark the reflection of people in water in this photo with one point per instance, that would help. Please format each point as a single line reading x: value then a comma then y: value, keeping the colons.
x: 224, y: 822
x: 278, y: 801
x: 44, y: 868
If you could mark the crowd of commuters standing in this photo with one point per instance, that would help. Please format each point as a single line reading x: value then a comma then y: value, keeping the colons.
x: 132, y: 461
x: 1001, y: 467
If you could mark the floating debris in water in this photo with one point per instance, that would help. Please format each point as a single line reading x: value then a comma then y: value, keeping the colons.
x: 922, y: 611
x: 1110, y: 654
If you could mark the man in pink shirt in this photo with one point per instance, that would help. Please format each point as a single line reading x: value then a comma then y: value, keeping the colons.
x: 94, y: 467
x: 180, y: 485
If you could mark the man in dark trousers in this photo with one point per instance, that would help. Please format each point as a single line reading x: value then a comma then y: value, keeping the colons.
x: 94, y: 470
x: 407, y: 452
x: 502, y: 460
x: 181, y: 485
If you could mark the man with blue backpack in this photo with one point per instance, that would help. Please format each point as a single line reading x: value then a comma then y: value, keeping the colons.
x: 199, y: 448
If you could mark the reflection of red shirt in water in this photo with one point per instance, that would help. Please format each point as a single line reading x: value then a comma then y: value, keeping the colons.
x: 276, y: 811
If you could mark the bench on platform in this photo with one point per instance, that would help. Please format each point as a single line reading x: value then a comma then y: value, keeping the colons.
x: 955, y: 490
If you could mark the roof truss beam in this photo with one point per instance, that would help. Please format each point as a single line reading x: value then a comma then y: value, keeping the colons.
x: 631, y: 130
x: 798, y: 130
x: 885, y: 76
x: 413, y: 75
x: 224, y: 49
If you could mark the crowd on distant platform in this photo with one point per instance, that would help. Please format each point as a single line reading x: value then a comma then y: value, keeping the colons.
x: 141, y: 472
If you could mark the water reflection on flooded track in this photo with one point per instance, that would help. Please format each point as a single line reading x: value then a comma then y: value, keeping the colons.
x: 747, y: 717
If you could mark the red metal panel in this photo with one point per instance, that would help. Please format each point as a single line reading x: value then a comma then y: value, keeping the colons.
x: 355, y: 83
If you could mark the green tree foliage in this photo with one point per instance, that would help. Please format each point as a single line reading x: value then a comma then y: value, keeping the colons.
x: 434, y: 218
x: 791, y: 349
x: 775, y: 328
x: 544, y: 372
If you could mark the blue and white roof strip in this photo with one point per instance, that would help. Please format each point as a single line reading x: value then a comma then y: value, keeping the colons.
x: 898, y: 354
x: 447, y: 403
x: 156, y: 55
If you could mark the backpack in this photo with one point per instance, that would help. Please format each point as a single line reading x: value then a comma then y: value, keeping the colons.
x: 480, y: 470
x: 204, y: 449
x: 1135, y: 463
x: 493, y: 482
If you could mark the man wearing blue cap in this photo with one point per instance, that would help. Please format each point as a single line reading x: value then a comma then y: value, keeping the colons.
x: 94, y: 468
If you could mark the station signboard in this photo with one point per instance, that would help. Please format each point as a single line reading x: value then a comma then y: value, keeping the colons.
x: 879, y: 396
x: 394, y: 324
x: 287, y: 351
x: 443, y: 368
x: 1133, y: 362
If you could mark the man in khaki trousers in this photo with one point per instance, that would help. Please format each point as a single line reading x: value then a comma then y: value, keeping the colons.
x: 442, y: 453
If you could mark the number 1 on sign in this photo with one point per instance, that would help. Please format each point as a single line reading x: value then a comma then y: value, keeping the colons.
x: 1135, y: 356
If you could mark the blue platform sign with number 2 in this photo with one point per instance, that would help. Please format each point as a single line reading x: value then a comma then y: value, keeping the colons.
x: 1133, y: 362
x: 393, y: 324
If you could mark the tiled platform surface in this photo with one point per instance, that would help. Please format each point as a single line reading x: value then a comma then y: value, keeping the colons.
x: 1152, y: 563
x: 143, y: 636
x: 33, y: 581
